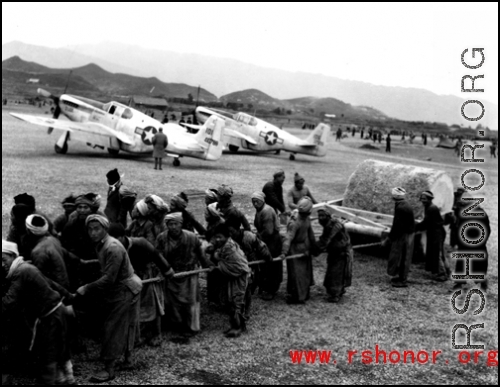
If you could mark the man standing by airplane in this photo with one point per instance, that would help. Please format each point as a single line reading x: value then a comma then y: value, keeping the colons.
x: 160, y: 143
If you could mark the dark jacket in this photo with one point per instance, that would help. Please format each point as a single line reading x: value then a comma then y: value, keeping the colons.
x: 142, y: 253
x: 160, y: 142
x: 120, y: 202
x: 48, y: 256
x: 274, y: 195
x: 30, y: 290
x: 404, y: 220
x: 433, y: 223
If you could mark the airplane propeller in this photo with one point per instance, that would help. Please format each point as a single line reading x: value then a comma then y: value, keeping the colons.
x: 57, y: 109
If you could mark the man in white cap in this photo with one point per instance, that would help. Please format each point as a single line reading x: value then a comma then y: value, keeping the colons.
x: 401, y: 238
x: 42, y: 306
x: 141, y: 226
x: 119, y: 290
x: 182, y: 250
x: 268, y: 228
x: 433, y: 224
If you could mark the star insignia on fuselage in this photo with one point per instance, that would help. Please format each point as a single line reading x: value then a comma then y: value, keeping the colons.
x: 147, y: 135
x: 271, y: 138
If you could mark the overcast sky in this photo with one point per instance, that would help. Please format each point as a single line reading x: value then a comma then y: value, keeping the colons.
x: 409, y: 45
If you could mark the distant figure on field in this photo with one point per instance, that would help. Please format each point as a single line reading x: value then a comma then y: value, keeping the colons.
x: 388, y: 143
x: 339, y: 134
x: 160, y: 143
x: 379, y: 137
x: 493, y: 150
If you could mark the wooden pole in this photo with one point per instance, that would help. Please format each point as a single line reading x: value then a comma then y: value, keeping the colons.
x: 199, y: 271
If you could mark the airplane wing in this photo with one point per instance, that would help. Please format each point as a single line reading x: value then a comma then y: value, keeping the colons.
x: 70, y: 126
x: 236, y: 134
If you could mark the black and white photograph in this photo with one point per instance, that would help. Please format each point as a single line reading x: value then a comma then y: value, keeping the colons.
x: 249, y: 193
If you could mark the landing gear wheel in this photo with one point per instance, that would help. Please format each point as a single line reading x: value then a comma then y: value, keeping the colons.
x: 177, y: 162
x: 233, y: 148
x: 113, y: 152
x: 63, y: 150
x: 292, y: 157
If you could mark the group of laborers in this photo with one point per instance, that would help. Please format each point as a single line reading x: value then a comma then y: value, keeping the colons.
x: 466, y: 239
x: 90, y: 268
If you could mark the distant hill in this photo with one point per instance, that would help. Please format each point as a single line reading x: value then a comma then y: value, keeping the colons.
x: 223, y: 76
x: 92, y: 77
x: 334, y: 106
x: 251, y: 96
x: 258, y: 99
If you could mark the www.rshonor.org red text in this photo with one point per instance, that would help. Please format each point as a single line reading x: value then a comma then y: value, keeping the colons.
x: 380, y: 356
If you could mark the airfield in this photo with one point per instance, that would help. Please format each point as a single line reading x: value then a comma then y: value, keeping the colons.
x: 372, y: 312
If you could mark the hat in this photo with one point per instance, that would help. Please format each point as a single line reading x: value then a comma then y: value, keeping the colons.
x: 398, y: 193
x: 91, y: 199
x: 178, y: 203
x: 428, y: 194
x: 305, y: 205
x: 10, y: 248
x: 21, y: 211
x: 174, y: 217
x: 113, y: 176
x: 278, y: 173
x: 97, y: 218
x: 259, y: 195
x: 297, y: 177
x: 25, y: 199
x: 225, y: 191
x: 69, y: 200
x: 157, y: 202
x: 37, y: 225
x: 211, y: 194
x: 142, y: 207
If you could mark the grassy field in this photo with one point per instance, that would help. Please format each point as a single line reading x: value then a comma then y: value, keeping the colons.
x: 372, y: 312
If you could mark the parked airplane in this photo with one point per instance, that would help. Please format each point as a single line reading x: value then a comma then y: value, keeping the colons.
x: 248, y: 132
x: 118, y: 127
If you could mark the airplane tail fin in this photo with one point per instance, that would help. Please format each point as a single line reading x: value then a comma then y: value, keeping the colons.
x: 210, y: 136
x: 319, y: 137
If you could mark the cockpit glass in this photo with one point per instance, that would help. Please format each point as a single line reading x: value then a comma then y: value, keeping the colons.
x: 127, y: 114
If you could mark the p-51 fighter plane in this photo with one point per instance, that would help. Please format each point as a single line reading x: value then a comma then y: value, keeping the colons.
x: 245, y: 131
x: 118, y: 127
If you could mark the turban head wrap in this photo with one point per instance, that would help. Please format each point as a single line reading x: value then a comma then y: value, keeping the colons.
x: 297, y: 178
x: 92, y: 200
x: 259, y: 195
x: 305, y: 205
x: 211, y: 195
x: 157, y: 202
x: 398, y: 193
x: 97, y: 218
x: 178, y: 203
x: 37, y: 225
x: 10, y: 248
x: 142, y: 207
x: 325, y: 211
x: 428, y: 194
x: 25, y: 199
x: 278, y: 173
x: 69, y: 201
x: 225, y: 191
x: 174, y: 217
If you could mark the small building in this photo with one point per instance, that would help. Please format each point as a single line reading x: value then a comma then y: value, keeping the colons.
x: 146, y: 103
x: 33, y: 80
